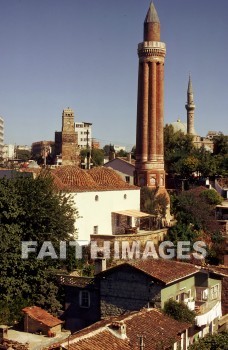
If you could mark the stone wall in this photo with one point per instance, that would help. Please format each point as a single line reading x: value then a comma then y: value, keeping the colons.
x: 127, y: 289
x: 142, y: 237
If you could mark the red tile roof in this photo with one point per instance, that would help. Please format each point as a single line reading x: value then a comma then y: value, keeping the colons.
x: 166, y: 271
x: 75, y: 281
x: 108, y: 177
x: 74, y: 179
x: 157, y: 329
x: 42, y: 316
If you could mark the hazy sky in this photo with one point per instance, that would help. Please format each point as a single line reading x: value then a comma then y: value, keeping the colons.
x: 83, y: 54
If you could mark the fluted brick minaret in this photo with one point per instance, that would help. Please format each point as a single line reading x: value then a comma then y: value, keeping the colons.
x: 190, y: 107
x: 149, y: 167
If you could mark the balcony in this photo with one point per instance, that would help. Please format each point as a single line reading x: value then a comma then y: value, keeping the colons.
x: 208, y: 312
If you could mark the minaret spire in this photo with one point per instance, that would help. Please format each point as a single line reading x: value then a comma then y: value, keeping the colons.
x: 152, y: 15
x: 190, y: 90
x: 152, y: 25
x: 190, y: 107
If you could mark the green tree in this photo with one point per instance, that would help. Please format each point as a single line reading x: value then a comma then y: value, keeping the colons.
x: 211, y: 342
x: 195, y: 214
x: 177, y: 147
x: 221, y: 144
x: 207, y: 165
x: 211, y: 197
x: 31, y: 210
x: 106, y: 149
x: 97, y: 156
x: 23, y: 154
x: 179, y: 311
x: 153, y: 202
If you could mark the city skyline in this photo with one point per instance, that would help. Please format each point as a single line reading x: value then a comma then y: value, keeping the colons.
x: 83, y: 54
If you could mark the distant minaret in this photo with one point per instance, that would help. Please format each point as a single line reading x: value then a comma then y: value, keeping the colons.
x: 149, y: 167
x: 190, y: 107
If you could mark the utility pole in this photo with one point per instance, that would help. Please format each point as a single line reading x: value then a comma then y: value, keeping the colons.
x: 88, y: 149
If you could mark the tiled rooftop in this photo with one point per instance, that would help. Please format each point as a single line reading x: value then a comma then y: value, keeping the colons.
x: 42, y: 316
x: 166, y: 271
x: 107, y: 176
x: 75, y: 281
x: 156, y: 328
x: 72, y: 178
x: 75, y: 178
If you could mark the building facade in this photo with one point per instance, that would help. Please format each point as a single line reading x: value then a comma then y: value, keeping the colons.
x: 149, y: 166
x: 84, y: 133
x: 8, y: 152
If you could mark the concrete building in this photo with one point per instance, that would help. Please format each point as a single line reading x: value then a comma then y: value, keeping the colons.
x: 95, y: 144
x: 84, y: 133
x: 119, y: 148
x: 8, y: 152
x: 1, y: 135
x: 149, y: 166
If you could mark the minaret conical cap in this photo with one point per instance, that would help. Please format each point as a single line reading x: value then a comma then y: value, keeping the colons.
x: 190, y: 90
x: 152, y: 15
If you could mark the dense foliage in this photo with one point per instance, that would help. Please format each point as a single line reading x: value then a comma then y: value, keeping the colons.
x: 194, y: 211
x: 153, y: 202
x: 182, y: 158
x: 31, y: 210
x: 179, y: 311
x: 211, y: 342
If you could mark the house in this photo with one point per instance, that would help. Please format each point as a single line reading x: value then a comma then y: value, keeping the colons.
x: 145, y: 329
x: 124, y: 167
x: 37, y: 320
x: 96, y: 194
x: 136, y: 284
x: 133, y: 285
x: 82, y: 302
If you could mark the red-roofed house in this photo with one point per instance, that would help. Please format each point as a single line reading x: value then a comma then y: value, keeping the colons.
x: 134, y: 285
x: 37, y: 320
x: 149, y: 328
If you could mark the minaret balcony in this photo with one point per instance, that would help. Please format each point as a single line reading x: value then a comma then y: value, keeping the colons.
x: 151, y: 48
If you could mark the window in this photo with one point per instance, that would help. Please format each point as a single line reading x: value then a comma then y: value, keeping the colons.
x: 127, y: 179
x: 129, y: 222
x: 215, y: 291
x: 84, y: 298
x: 95, y: 230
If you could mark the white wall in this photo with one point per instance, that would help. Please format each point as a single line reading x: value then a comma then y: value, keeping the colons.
x: 98, y: 213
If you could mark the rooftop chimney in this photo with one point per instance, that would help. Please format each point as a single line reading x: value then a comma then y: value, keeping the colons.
x: 3, y: 332
x: 118, y: 328
x: 100, y: 265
